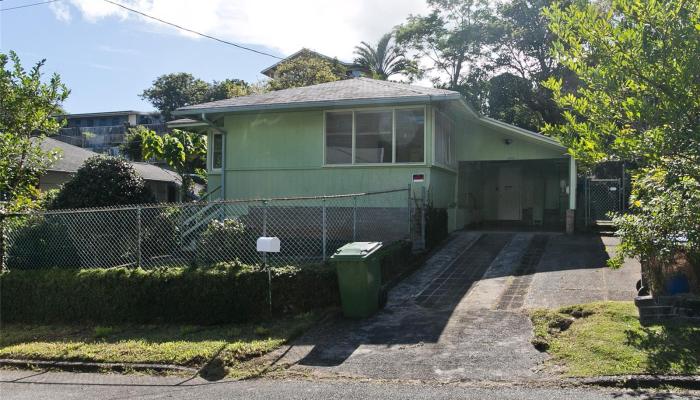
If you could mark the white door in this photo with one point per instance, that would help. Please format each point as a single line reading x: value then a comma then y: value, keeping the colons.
x: 509, y: 181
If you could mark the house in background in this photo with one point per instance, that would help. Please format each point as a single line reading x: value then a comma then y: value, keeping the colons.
x: 353, y: 69
x: 162, y: 182
x: 361, y: 135
x: 103, y: 132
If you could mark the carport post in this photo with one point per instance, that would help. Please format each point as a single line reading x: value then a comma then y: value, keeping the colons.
x: 571, y: 212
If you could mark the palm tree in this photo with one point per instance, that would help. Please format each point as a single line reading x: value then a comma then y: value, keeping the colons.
x: 382, y: 61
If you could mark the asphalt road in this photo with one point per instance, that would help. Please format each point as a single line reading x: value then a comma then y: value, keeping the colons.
x: 28, y: 385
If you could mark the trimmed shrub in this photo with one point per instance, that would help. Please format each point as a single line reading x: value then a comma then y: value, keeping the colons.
x: 40, y: 243
x: 173, y: 295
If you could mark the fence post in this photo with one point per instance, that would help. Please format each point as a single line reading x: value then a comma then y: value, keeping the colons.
x: 354, y: 218
x: 323, y: 223
x: 422, y: 218
x: 3, y: 259
x: 138, y: 238
x: 408, y: 195
x: 264, y: 257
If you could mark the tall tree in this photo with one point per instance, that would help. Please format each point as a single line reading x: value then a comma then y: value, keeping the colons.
x: 639, y: 99
x: 27, y: 104
x: 306, y: 70
x: 172, y: 91
x: 383, y: 60
x: 454, y: 36
x: 185, y: 152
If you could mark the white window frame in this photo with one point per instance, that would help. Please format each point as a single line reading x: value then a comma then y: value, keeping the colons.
x: 453, y: 143
x: 393, y: 136
x: 210, y: 152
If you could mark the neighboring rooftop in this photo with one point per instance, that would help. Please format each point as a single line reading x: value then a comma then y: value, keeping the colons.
x: 348, y: 92
x: 270, y: 71
x: 106, y: 114
x: 73, y: 157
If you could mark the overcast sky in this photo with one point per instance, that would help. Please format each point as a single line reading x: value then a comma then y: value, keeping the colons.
x: 108, y: 56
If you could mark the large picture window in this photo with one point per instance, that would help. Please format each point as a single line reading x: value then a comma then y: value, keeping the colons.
x: 444, y: 140
x: 375, y: 136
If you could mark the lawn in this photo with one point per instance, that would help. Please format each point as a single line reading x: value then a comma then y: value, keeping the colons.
x: 190, y: 346
x: 606, y: 339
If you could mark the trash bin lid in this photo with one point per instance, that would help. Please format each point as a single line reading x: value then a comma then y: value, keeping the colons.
x: 357, y: 250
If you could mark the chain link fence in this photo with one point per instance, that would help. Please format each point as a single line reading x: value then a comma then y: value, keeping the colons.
x: 310, y: 229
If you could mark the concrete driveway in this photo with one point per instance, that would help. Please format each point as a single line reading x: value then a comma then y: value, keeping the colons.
x: 463, y: 316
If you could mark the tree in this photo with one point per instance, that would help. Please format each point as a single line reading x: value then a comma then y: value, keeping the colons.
x: 132, y: 147
x: 172, y: 91
x: 523, y: 56
x: 306, y: 70
x: 382, y: 61
x: 102, y: 182
x: 453, y: 36
x: 185, y: 152
x: 26, y: 107
x: 639, y: 99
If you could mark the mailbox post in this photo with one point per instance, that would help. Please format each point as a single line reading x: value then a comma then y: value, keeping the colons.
x: 264, y: 245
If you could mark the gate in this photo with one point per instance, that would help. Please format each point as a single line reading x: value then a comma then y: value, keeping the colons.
x: 603, y: 196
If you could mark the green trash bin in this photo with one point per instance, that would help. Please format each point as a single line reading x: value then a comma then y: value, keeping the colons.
x: 359, y: 278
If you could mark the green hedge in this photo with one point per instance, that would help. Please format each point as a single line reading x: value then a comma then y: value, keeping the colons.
x: 173, y: 295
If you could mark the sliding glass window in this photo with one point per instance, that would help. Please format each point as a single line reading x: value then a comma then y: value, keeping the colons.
x: 375, y: 136
x: 339, y: 138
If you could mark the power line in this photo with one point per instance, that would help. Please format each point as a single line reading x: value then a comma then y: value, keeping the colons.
x: 28, y: 5
x: 191, y: 31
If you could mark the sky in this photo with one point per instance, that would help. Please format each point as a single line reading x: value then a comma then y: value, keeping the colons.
x: 108, y: 56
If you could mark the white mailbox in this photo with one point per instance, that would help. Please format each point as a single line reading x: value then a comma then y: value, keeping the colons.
x: 268, y: 244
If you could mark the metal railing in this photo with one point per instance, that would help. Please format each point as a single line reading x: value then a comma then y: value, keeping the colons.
x: 311, y: 229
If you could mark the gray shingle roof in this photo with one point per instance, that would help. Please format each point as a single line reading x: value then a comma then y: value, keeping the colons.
x: 73, y: 157
x: 345, y: 92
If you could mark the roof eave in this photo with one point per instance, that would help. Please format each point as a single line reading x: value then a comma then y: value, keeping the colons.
x: 319, y: 104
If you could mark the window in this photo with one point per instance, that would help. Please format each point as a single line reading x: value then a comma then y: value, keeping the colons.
x: 217, y: 151
x: 410, y: 128
x: 375, y: 137
x: 444, y: 140
x: 339, y: 138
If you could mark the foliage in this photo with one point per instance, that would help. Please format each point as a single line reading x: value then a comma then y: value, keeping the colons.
x: 132, y: 147
x: 27, y: 104
x: 508, y: 99
x: 453, y: 36
x: 607, y: 339
x: 185, y: 152
x: 172, y: 91
x: 216, y: 242
x: 382, y: 61
x: 436, y: 228
x: 639, y: 100
x: 166, y: 295
x: 102, y: 182
x: 305, y: 70
x: 39, y: 243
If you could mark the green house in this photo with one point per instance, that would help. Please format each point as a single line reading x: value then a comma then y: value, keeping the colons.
x: 360, y: 135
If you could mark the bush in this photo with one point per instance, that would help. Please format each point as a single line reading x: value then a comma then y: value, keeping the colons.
x: 226, y: 241
x: 40, y: 243
x: 102, y: 182
x: 174, y: 295
x: 436, y: 229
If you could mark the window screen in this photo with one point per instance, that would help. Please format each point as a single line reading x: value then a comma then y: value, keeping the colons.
x: 373, y: 137
x: 410, y: 128
x: 339, y: 138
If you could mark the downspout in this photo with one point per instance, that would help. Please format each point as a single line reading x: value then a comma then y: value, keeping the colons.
x: 223, y: 153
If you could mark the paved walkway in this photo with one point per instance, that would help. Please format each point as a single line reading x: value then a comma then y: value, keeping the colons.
x: 463, y: 316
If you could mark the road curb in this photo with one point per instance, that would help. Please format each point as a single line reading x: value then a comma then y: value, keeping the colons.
x: 81, y: 366
x: 691, y: 382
